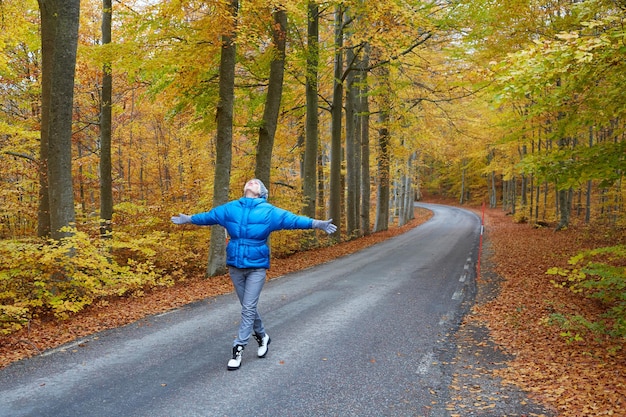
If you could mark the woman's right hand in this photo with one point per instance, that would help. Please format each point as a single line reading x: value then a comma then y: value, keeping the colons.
x: 181, y: 219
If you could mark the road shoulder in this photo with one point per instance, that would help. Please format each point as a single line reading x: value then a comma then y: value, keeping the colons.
x: 474, y: 388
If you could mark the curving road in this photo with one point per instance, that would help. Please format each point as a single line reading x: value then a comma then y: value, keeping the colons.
x: 364, y: 335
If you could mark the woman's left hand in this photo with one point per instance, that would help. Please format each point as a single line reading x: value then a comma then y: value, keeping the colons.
x: 181, y: 219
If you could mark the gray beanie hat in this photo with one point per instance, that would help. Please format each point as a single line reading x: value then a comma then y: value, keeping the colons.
x: 263, y: 189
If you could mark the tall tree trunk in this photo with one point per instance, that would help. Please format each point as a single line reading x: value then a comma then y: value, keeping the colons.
x: 589, y: 184
x: 410, y: 195
x: 48, y: 30
x: 493, y: 201
x: 60, y: 189
x: 463, y: 173
x: 406, y: 213
x: 565, y: 207
x: 352, y: 164
x: 564, y: 198
x: 80, y: 179
x: 383, y: 180
x: 365, y: 143
x: 106, y: 180
x: 272, y: 100
x: 223, y: 152
x: 356, y: 157
x: 513, y: 198
x: 337, y: 111
x: 321, y: 183
x: 538, y: 186
x: 309, y: 181
x: 524, y: 196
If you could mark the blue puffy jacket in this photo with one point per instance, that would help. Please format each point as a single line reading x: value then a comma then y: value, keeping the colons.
x: 249, y: 222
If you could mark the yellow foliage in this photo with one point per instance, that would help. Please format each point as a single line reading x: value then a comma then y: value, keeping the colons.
x: 64, y: 277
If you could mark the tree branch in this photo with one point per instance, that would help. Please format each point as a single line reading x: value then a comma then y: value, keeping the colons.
x: 21, y: 155
x: 424, y: 37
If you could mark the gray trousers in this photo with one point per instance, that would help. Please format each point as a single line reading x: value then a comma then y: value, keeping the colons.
x: 248, y: 285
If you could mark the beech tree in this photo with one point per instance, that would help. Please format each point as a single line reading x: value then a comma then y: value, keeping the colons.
x: 224, y: 139
x: 336, y: 125
x: 48, y: 33
x: 273, y: 97
x: 353, y: 134
x: 106, y: 180
x: 60, y: 18
x: 383, y: 179
x: 309, y: 169
x: 363, y: 118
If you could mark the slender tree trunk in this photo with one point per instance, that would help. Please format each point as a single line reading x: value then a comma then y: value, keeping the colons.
x: 513, y: 198
x: 463, y: 172
x: 565, y: 206
x: 408, y: 196
x: 531, y: 188
x: 365, y: 144
x: 383, y: 192
x: 48, y: 30
x: 356, y: 158
x: 337, y: 111
x: 352, y: 164
x: 524, y: 195
x: 410, y: 215
x: 223, y: 159
x: 398, y: 195
x: 321, y: 183
x: 564, y: 199
x: 589, y: 184
x: 80, y: 179
x: 493, y: 200
x: 106, y: 180
x: 60, y: 188
x: 273, y: 98
x: 384, y: 177
x: 546, y: 187
x: 504, y: 195
x: 312, y: 134
x: 538, y: 186
x: 356, y: 165
x: 396, y: 198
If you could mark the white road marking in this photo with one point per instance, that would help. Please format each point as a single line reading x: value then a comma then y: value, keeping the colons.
x: 424, y: 365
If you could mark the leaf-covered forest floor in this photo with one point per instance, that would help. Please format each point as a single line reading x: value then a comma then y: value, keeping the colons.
x: 580, y: 378
x: 573, y: 378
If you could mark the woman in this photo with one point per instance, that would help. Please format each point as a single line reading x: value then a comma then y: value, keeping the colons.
x: 249, y: 222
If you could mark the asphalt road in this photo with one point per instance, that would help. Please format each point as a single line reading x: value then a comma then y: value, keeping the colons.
x: 370, y: 334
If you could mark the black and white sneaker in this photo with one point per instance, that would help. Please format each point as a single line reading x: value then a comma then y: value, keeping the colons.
x: 264, y: 343
x: 235, y: 362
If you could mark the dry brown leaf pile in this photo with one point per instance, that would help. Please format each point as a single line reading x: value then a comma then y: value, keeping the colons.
x: 586, y: 378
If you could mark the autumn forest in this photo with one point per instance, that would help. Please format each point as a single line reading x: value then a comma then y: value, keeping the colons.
x: 115, y: 115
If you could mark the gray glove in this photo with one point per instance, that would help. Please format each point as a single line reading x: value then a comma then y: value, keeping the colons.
x: 325, y: 225
x: 181, y: 219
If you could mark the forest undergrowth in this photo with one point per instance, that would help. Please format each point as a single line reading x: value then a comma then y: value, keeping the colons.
x: 577, y: 376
